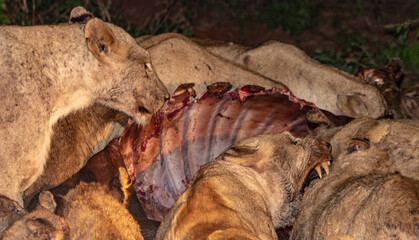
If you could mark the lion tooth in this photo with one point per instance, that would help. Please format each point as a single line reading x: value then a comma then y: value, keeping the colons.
x: 328, y: 163
x: 325, y: 166
x: 318, y: 170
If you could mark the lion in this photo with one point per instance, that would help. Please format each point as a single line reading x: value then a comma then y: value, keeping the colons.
x: 248, y: 191
x: 77, y: 136
x: 10, y: 212
x: 327, y: 87
x: 399, y: 138
x: 363, y: 197
x: 105, y: 168
x: 51, y: 71
x: 179, y: 60
x: 267, y: 65
x: 41, y: 223
x: 75, y: 139
x: 96, y: 195
x: 93, y: 213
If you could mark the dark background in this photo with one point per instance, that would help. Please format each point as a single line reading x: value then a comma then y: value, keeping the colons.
x: 346, y: 34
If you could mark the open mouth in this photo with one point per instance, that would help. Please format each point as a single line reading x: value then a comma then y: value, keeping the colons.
x: 320, y: 170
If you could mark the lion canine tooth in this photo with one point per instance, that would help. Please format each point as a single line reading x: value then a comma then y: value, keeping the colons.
x: 318, y: 170
x: 328, y: 163
x: 325, y: 166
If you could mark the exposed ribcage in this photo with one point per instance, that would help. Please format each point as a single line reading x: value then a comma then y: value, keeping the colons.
x: 163, y: 156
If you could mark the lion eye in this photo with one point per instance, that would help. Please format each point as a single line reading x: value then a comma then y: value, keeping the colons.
x: 295, y: 141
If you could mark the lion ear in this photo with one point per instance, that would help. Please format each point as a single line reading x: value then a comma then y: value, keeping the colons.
x: 101, y: 41
x: 46, y: 200
x: 80, y: 15
x: 241, y: 154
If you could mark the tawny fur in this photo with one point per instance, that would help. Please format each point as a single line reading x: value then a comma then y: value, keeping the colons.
x: 398, y: 138
x: 74, y: 140
x: 51, y: 71
x: 208, y: 60
x: 41, y: 223
x: 105, y: 168
x: 327, y: 87
x: 10, y: 211
x: 363, y: 197
x: 247, y: 192
x: 92, y: 213
x: 180, y: 60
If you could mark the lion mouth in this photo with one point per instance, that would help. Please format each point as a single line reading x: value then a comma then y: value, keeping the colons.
x: 320, y: 170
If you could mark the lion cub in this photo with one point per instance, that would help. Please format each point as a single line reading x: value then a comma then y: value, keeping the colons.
x: 50, y: 71
x: 247, y: 192
x: 93, y: 213
x: 10, y: 211
x: 41, y: 223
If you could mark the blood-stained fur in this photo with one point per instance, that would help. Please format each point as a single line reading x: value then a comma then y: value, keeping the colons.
x: 52, y: 70
x: 363, y: 197
x: 247, y: 192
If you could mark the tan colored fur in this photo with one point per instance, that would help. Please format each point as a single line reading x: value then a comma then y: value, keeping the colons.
x: 178, y: 60
x: 105, y: 168
x: 73, y: 142
x: 49, y: 72
x: 247, y: 192
x: 340, y: 237
x: 41, y: 223
x: 92, y: 213
x: 326, y: 86
x: 125, y: 182
x: 10, y: 211
x: 363, y: 197
x: 398, y: 138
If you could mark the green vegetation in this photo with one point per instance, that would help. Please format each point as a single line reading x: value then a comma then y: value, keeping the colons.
x: 357, y: 52
x: 35, y: 12
x: 293, y: 16
x: 27, y: 12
